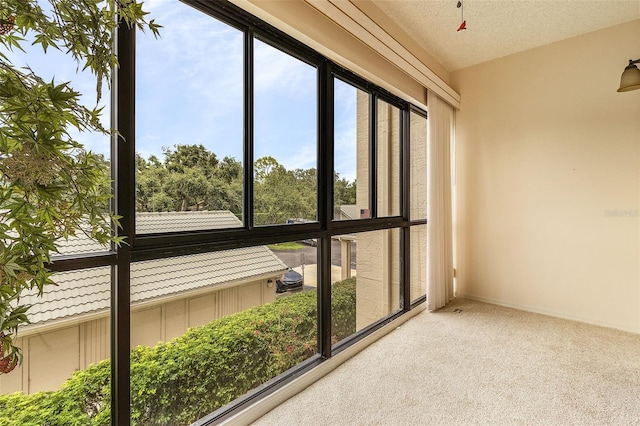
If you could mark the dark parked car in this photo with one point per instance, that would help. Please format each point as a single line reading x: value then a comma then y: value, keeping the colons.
x: 290, y: 281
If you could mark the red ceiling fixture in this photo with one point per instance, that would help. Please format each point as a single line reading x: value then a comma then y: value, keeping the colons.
x: 463, y: 25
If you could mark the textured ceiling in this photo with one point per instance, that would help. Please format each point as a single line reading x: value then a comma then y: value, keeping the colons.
x: 497, y: 28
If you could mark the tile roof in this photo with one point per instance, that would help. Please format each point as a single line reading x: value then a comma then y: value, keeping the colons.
x: 157, y: 222
x: 88, y: 290
x: 150, y: 223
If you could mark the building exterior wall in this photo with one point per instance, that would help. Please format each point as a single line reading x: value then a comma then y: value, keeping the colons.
x: 52, y: 356
x: 418, y: 207
x: 378, y: 253
x: 548, y: 180
x: 362, y: 151
x: 418, y: 272
x: 377, y: 282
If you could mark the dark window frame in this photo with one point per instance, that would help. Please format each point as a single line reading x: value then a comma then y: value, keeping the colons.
x: 155, y: 246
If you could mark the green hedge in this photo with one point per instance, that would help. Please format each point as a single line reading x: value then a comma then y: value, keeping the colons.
x: 178, y: 382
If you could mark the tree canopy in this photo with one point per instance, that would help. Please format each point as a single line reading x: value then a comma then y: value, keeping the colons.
x: 189, y: 177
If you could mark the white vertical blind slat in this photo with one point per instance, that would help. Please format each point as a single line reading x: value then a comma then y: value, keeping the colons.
x: 439, y: 206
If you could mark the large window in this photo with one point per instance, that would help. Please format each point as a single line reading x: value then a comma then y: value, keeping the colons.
x: 351, y: 152
x: 285, y: 138
x: 370, y: 262
x: 208, y: 328
x: 388, y: 150
x: 189, y: 117
x: 273, y: 205
x: 418, y: 205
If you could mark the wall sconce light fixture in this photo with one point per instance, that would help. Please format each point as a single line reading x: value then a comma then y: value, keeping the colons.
x: 630, y: 79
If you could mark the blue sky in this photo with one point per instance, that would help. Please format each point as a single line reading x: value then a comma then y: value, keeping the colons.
x: 189, y: 90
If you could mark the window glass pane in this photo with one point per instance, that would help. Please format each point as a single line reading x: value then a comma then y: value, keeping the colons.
x: 351, y: 152
x: 285, y: 138
x: 418, y: 261
x: 58, y: 67
x: 388, y: 161
x: 418, y: 164
x: 208, y: 328
x: 301, y: 258
x: 365, y: 280
x: 81, y: 243
x: 69, y: 331
x: 189, y: 116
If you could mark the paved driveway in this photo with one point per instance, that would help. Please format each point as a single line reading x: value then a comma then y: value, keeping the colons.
x: 308, y: 255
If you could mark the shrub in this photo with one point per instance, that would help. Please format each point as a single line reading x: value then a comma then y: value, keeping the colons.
x: 177, y: 382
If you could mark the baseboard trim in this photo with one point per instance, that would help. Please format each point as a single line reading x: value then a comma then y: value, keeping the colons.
x: 266, y: 404
x: 548, y: 312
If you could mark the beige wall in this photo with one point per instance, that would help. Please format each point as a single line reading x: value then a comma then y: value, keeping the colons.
x: 548, y: 180
x: 52, y: 356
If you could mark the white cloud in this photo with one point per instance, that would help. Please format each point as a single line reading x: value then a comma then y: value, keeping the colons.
x: 190, y: 82
x: 276, y: 71
x: 303, y: 157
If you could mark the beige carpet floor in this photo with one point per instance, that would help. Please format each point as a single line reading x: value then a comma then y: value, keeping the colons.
x: 473, y: 363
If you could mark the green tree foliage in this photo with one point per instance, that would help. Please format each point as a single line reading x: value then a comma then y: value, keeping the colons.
x: 282, y: 194
x: 192, y: 178
x: 178, y: 382
x: 51, y: 187
x: 189, y: 178
x: 344, y: 192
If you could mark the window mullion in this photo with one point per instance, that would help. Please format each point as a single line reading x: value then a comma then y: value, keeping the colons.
x: 325, y: 204
x: 248, y: 195
x: 124, y: 206
x: 405, y: 203
x: 373, y: 155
